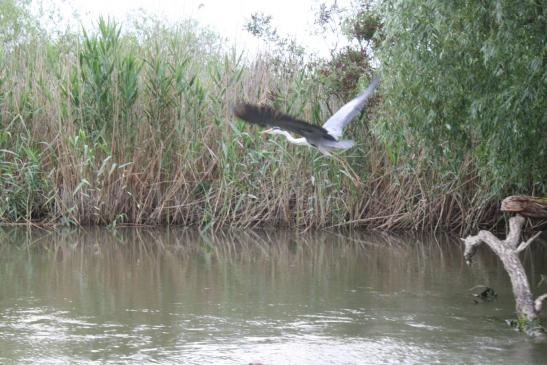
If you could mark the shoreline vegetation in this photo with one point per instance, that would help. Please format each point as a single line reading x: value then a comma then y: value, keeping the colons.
x: 111, y: 127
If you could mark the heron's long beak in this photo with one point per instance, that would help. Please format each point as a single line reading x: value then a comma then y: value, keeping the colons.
x: 269, y: 130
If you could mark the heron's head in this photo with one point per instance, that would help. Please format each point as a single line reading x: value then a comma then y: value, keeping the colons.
x: 274, y: 130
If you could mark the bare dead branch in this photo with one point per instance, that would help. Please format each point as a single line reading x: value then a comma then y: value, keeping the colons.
x: 538, y: 304
x: 507, y: 250
x: 515, y: 226
x: 473, y: 242
x: 523, y: 245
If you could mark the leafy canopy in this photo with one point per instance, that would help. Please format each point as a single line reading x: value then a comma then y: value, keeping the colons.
x: 466, y: 80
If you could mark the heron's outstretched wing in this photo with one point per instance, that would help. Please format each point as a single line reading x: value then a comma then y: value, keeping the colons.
x: 345, y: 114
x: 266, y: 116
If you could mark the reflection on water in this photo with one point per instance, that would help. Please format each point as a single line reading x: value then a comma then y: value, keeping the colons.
x: 171, y: 296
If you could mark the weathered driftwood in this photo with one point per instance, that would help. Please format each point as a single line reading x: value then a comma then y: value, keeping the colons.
x: 508, y: 250
x: 527, y: 206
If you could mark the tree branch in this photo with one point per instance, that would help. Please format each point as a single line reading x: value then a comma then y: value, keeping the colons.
x: 515, y: 226
x: 538, y: 304
x: 523, y: 245
x: 473, y: 242
x: 507, y: 251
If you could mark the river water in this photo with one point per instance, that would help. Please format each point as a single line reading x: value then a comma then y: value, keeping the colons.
x: 172, y: 296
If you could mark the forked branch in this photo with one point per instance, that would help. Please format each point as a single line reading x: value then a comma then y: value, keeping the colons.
x: 508, y: 250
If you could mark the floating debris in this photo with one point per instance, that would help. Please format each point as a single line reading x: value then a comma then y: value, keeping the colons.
x: 486, y: 294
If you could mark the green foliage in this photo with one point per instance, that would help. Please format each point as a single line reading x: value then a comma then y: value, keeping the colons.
x: 285, y: 51
x: 128, y: 83
x: 364, y: 25
x: 16, y: 23
x: 98, y: 60
x: 135, y: 126
x: 530, y: 327
x: 465, y: 80
x: 260, y: 25
x: 25, y: 190
x: 344, y: 71
x: 349, y: 65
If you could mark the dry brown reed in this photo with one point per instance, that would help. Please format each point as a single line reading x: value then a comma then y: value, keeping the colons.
x: 109, y: 130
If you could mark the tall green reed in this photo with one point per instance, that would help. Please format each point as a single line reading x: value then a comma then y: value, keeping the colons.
x: 137, y: 128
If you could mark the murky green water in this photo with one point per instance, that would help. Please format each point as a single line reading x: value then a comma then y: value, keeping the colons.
x: 173, y: 297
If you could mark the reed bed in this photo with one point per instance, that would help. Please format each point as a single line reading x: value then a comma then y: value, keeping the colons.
x: 110, y: 128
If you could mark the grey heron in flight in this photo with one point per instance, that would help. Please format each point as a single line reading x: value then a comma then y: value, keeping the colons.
x: 325, y: 138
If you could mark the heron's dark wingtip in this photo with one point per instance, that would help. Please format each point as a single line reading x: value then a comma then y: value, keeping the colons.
x: 244, y: 111
x: 239, y: 109
x: 254, y: 114
x: 266, y: 116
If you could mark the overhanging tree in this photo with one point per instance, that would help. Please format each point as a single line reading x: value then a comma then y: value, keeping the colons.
x: 465, y: 80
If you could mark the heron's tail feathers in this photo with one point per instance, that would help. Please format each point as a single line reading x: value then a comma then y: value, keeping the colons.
x: 345, y: 144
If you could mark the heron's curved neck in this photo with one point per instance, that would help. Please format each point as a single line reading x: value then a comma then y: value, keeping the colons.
x: 291, y: 139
